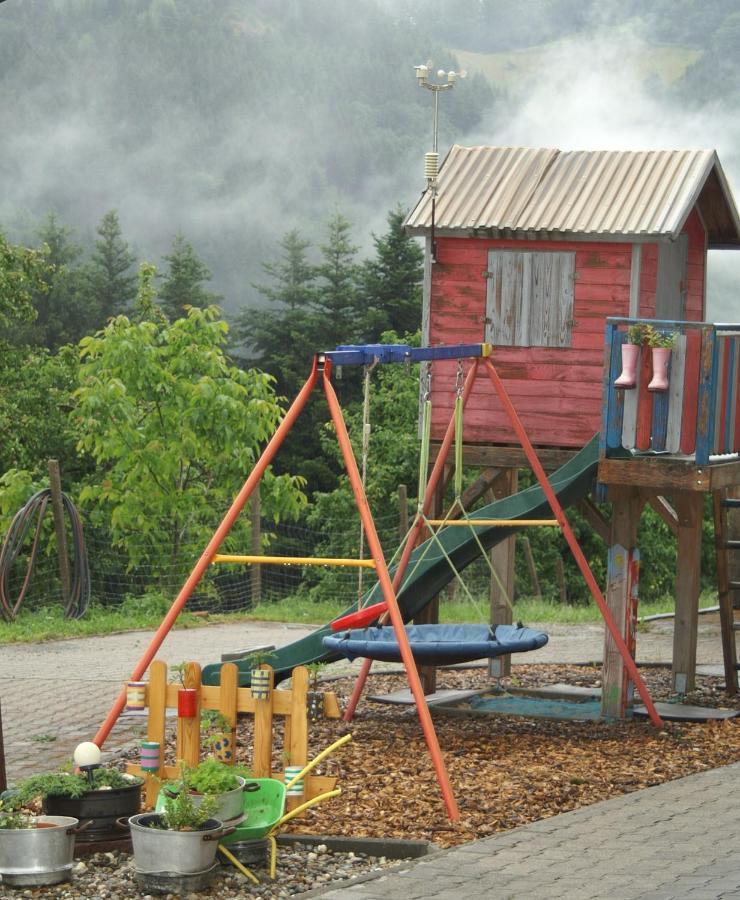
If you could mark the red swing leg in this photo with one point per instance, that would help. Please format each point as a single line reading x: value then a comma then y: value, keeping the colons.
x: 408, y: 549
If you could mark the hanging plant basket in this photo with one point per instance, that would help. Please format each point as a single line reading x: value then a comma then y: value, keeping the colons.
x: 260, y: 684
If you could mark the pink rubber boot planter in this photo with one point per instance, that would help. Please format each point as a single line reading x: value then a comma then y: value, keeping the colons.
x: 661, y: 357
x: 628, y: 378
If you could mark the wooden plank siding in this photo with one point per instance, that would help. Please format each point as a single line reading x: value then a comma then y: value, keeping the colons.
x: 556, y: 390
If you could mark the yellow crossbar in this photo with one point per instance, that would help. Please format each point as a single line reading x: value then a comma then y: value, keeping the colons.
x: 294, y: 561
x: 513, y: 523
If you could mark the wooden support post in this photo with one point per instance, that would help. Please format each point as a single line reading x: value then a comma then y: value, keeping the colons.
x: 627, y: 505
x: 534, y: 581
x: 298, y: 747
x: 262, y: 762
x: 255, y: 573
x: 502, y: 560
x: 689, y: 507
x: 157, y: 703
x: 3, y: 772
x: 403, y: 511
x: 57, y: 505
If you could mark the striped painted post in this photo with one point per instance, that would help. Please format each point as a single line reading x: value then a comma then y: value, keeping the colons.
x: 705, y: 406
x: 676, y: 395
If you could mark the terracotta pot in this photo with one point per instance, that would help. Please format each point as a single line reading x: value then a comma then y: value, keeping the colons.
x: 630, y: 355
x: 661, y: 358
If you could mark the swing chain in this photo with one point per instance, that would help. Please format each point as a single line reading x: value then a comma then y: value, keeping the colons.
x: 459, y: 378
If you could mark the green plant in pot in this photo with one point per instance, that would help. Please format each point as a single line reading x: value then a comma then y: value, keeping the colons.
x: 181, y: 838
x: 102, y: 795
x: 212, y: 779
x: 217, y: 734
x: 34, y: 850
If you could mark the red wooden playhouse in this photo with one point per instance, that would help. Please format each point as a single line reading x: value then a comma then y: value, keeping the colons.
x: 534, y: 250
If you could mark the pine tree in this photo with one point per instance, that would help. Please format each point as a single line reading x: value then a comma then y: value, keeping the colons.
x: 338, y: 295
x: 110, y: 281
x: 183, y: 284
x: 391, y: 283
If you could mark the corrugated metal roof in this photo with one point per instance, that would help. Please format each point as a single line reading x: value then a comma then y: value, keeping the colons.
x: 605, y: 194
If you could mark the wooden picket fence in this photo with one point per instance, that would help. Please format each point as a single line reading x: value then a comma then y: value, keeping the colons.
x: 230, y: 700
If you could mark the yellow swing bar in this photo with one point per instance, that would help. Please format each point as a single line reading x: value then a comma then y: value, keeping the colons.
x: 508, y: 523
x: 293, y: 561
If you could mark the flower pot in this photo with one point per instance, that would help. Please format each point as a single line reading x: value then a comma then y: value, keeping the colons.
x: 260, y: 684
x: 38, y: 856
x: 136, y: 696
x: 661, y: 358
x: 150, y: 757
x: 295, y: 790
x: 221, y: 746
x: 187, y: 703
x: 630, y: 355
x: 230, y: 803
x: 102, y: 808
x: 173, y: 852
x: 315, y: 704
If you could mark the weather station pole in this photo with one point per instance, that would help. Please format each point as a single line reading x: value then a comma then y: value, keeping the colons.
x: 431, y: 160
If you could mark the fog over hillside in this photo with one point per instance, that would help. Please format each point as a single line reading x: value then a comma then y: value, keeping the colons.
x: 235, y: 120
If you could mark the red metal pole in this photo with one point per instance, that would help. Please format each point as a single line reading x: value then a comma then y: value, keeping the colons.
x: 573, y: 543
x: 436, y: 474
x: 389, y: 596
x: 221, y: 532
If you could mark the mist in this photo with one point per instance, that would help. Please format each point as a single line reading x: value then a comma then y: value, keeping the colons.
x: 234, y: 121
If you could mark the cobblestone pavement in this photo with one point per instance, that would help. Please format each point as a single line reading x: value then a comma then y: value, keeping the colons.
x: 676, y: 840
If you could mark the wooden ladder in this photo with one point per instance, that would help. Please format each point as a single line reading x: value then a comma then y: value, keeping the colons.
x: 727, y: 544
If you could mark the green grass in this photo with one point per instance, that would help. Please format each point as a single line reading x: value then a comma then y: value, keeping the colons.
x: 49, y: 624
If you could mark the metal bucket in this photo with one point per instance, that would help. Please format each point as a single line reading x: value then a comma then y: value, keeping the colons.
x: 173, y: 852
x: 38, y: 856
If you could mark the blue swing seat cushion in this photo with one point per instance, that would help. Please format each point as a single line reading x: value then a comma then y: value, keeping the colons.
x: 436, y: 644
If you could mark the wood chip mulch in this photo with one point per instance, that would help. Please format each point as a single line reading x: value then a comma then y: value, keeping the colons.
x: 505, y: 771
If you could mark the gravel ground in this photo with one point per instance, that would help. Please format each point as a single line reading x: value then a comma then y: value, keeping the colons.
x: 110, y: 876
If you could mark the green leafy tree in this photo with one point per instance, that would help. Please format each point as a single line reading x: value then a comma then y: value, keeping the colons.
x: 174, y: 430
x: 183, y: 284
x: 109, y: 279
x: 21, y: 275
x: 391, y: 282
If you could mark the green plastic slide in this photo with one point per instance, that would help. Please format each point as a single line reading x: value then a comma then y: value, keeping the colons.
x: 571, y: 482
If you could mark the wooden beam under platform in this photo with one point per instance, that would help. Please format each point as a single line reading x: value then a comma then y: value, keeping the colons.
x: 485, y: 456
x: 661, y: 475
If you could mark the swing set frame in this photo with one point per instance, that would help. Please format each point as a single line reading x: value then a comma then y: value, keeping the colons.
x: 322, y: 367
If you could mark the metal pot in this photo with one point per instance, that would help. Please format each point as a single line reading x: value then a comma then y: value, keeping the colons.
x: 174, y: 852
x: 38, y: 856
x: 230, y: 803
x: 103, y: 808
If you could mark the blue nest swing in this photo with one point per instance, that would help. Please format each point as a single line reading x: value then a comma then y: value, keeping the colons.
x: 437, y: 644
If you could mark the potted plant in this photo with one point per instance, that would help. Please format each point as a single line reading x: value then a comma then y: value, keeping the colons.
x: 217, y: 734
x: 259, y: 679
x: 214, y: 780
x: 180, y: 839
x: 103, y: 796
x: 35, y: 850
x: 661, y: 344
x: 636, y: 335
x: 187, y: 698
